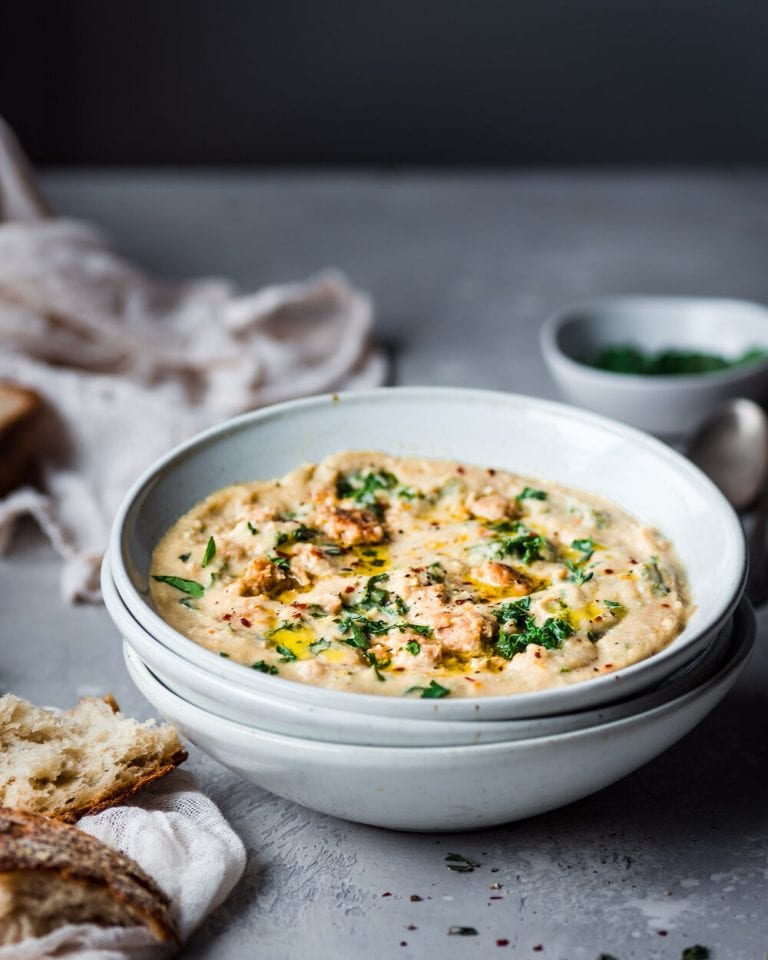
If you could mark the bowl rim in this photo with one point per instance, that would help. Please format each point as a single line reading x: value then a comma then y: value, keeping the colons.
x: 599, y: 686
x: 555, y: 322
x: 742, y: 644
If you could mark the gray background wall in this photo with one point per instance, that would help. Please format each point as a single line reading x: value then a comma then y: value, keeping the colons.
x: 396, y: 82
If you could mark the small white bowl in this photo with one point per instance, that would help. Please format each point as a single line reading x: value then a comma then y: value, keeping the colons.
x: 452, y: 787
x: 670, y: 405
x: 644, y: 476
x: 276, y: 714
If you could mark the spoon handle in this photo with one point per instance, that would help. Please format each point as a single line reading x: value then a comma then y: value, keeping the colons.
x: 757, y: 582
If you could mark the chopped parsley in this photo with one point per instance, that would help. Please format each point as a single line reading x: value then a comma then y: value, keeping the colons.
x: 549, y: 635
x: 422, y: 629
x: 223, y: 653
x: 285, y: 625
x: 522, y: 543
x: 529, y: 493
x: 433, y: 692
x: 375, y: 597
x: 696, y: 952
x: 613, y: 604
x: 184, y: 557
x: 585, y: 546
x: 283, y: 562
x: 187, y: 602
x: 210, y: 552
x: 514, y: 611
x: 652, y: 572
x: 358, y: 627
x: 628, y: 358
x: 413, y: 646
x: 364, y: 488
x: 459, y: 863
x: 192, y: 587
x: 317, y: 646
x: 286, y: 654
x: 299, y: 534
x: 332, y: 549
x: 462, y: 932
x: 315, y: 610
x: 577, y: 574
x: 251, y: 527
x: 263, y: 667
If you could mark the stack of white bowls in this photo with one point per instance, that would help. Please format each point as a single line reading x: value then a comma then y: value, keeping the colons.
x: 448, y: 764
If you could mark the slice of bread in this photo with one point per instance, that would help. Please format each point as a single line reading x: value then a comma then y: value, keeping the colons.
x: 19, y: 409
x: 52, y: 874
x: 64, y: 765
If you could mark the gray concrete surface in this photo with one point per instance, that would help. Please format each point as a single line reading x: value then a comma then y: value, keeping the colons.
x: 463, y: 269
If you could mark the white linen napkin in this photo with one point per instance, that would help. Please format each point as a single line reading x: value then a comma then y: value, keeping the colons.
x: 179, y: 837
x: 131, y: 365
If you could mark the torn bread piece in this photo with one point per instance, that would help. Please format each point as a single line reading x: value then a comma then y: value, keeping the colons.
x: 19, y: 415
x: 65, y: 765
x: 52, y: 874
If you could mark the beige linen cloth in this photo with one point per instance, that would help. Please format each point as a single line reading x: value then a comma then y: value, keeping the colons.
x: 179, y: 837
x: 131, y: 365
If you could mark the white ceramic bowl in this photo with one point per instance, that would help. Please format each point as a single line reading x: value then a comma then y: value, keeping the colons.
x: 452, y: 787
x: 276, y: 714
x: 666, y: 405
x: 505, y: 430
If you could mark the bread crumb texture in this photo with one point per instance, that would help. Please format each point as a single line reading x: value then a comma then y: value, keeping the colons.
x: 65, y: 765
x: 52, y: 874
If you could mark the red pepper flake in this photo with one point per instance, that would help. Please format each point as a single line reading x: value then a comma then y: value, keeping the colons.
x: 608, y: 666
x: 470, y: 679
x: 461, y: 600
x: 245, y: 621
x: 227, y: 616
x: 502, y: 943
x: 415, y: 898
x: 403, y: 943
x: 491, y: 472
x: 299, y: 606
x: 460, y: 470
x: 662, y: 933
x: 539, y: 947
x: 666, y: 606
x: 537, y: 654
x: 607, y: 570
x: 495, y: 898
x: 387, y: 894
x: 632, y: 560
x: 349, y: 589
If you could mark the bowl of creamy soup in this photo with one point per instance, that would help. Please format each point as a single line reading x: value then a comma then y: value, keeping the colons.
x: 450, y: 787
x: 422, y: 551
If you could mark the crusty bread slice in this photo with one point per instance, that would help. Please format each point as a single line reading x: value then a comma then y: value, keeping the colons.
x: 65, y: 765
x: 52, y: 874
x: 19, y: 410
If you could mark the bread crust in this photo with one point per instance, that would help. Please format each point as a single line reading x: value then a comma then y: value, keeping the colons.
x: 47, y: 847
x: 69, y: 803
x: 72, y: 814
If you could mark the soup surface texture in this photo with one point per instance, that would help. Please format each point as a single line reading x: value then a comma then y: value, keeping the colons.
x: 421, y: 578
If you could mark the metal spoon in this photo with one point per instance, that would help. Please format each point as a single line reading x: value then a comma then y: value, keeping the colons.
x: 731, y: 447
